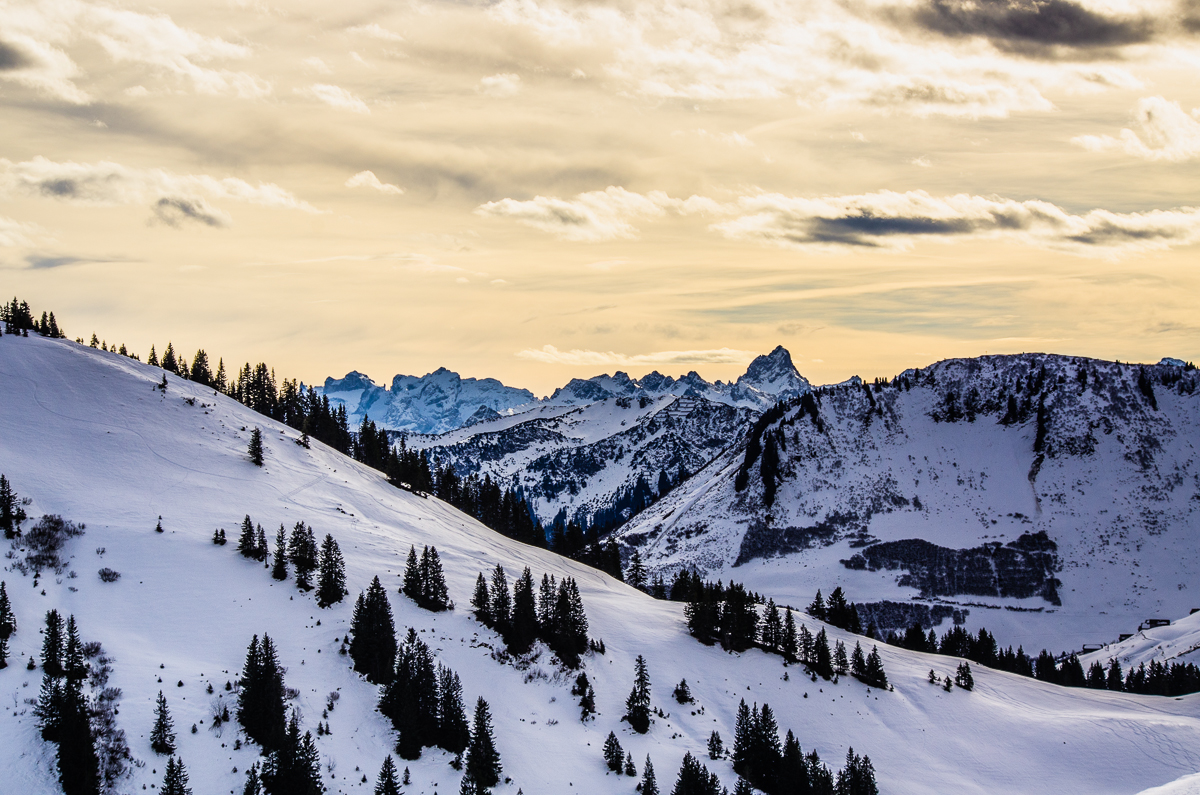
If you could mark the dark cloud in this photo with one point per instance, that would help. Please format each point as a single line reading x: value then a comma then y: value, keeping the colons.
x: 39, y: 262
x: 59, y: 188
x: 858, y: 230
x: 12, y: 58
x: 1033, y: 26
x: 172, y: 211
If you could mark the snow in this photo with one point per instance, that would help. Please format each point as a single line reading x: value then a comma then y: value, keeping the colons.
x: 86, y: 434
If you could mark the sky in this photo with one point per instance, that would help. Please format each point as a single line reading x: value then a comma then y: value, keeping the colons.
x: 535, y: 190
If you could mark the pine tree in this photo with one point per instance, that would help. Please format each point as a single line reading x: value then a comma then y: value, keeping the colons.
x: 524, y: 616
x: 875, y: 675
x: 261, y: 552
x: 162, y: 736
x: 302, y: 551
x: 331, y: 584
x: 483, y: 760
x: 373, y: 645
x: 433, y: 594
x: 788, y: 643
x: 453, y: 732
x: 387, y: 784
x: 152, y: 358
x: 857, y: 777
x: 412, y: 575
x: 613, y: 753
x: 716, y: 748
x: 168, y: 360
x: 771, y: 633
x: 500, y: 601
x: 482, y: 602
x: 175, y: 781
x: 816, y: 608
x: 261, y: 696
x: 858, y: 663
x: 11, y: 512
x: 635, y: 575
x: 682, y: 693
x: 630, y: 770
x: 694, y: 779
x: 279, y: 566
x: 255, y: 449
x: 253, y: 784
x: 963, y: 676
x: 52, y: 644
x: 637, y: 705
x: 246, y: 546
x: 649, y: 785
x: 840, y: 663
x: 295, y: 767
x: 822, y: 663
x: 8, y: 622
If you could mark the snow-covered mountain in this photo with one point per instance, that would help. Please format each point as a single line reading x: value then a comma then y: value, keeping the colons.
x: 443, y: 401
x: 87, y: 435
x: 433, y: 403
x: 594, y: 464
x: 1052, y: 499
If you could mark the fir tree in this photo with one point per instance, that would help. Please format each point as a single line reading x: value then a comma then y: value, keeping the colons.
x: 816, y: 608
x: 630, y: 770
x: 387, y: 784
x: 453, y: 732
x: 649, y: 785
x: 524, y: 616
x: 261, y: 696
x: 500, y: 603
x: 52, y: 644
x: 694, y: 779
x: 255, y: 450
x: 875, y: 675
x: 11, y: 512
x: 716, y: 748
x: 158, y: 528
x: 788, y: 642
x: 294, y: 768
x: 635, y: 575
x: 858, y: 663
x: 481, y: 602
x: 168, y: 360
x: 822, y: 662
x: 331, y: 584
x: 373, y: 645
x: 246, y: 541
x: 279, y: 567
x: 963, y: 677
x: 253, y: 784
x: 637, y: 705
x: 410, y: 699
x: 613, y: 753
x: 8, y: 622
x: 857, y: 777
x: 162, y: 736
x: 175, y: 781
x: 483, y: 760
x: 261, y: 552
x: 682, y: 693
x: 433, y: 594
x: 302, y: 551
x: 412, y: 575
x: 152, y: 358
x: 840, y: 662
x: 771, y: 633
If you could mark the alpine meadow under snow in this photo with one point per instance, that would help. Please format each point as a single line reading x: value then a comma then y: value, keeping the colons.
x: 93, y: 437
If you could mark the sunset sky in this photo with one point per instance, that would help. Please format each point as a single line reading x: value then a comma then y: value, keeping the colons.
x: 536, y: 190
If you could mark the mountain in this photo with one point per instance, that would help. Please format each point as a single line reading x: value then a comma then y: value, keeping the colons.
x: 88, y: 436
x: 434, y: 403
x: 1051, y: 499
x: 443, y: 401
x: 595, y: 464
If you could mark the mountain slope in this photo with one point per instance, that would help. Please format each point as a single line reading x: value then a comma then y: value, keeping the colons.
x: 1065, y: 490
x: 86, y: 434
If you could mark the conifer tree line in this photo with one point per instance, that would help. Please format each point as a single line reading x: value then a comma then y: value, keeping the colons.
x: 555, y: 616
x: 301, y: 552
x: 424, y: 581
x: 8, y: 624
x: 504, y: 510
x: 1156, y: 679
x: 424, y: 701
x: 18, y: 318
x: 63, y: 710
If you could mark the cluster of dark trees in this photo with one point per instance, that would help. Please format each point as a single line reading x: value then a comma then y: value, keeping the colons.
x: 424, y: 702
x: 18, y: 319
x: 62, y: 707
x: 584, y: 544
x: 424, y: 581
x: 837, y: 611
x: 554, y: 615
x: 300, y: 550
x: 8, y: 624
x: 373, y: 645
x: 1162, y: 679
x: 728, y: 614
x: 783, y: 769
x: 292, y: 764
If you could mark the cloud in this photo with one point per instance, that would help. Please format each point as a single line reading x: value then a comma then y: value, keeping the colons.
x: 548, y: 354
x: 885, y: 220
x: 174, y: 211
x: 17, y: 233
x: 12, y: 57
x: 367, y: 179
x: 1167, y: 133
x: 895, y: 221
x: 335, y: 96
x: 174, y: 198
x: 37, y: 34
x: 501, y: 85
x: 591, y: 217
x: 317, y: 65
x: 376, y: 32
x: 1032, y: 26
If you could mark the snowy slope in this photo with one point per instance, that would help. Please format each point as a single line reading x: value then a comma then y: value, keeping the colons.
x: 1177, y: 643
x: 85, y: 434
x: 1111, y: 479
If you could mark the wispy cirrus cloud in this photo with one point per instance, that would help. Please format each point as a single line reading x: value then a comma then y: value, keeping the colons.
x: 885, y: 220
x: 174, y: 198
x: 591, y: 217
x: 1165, y: 132
x: 17, y: 233
x: 548, y: 354
x: 375, y: 31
